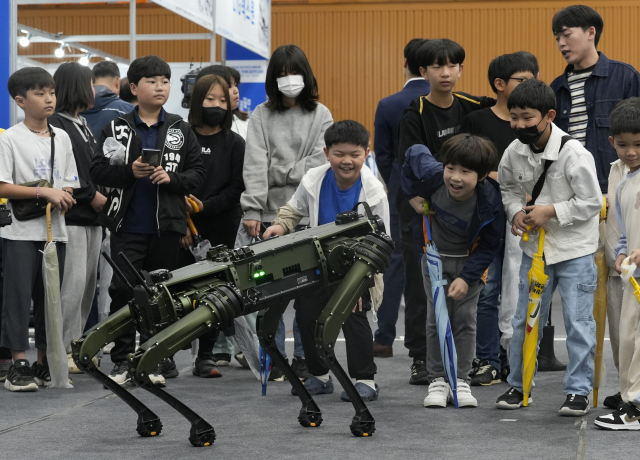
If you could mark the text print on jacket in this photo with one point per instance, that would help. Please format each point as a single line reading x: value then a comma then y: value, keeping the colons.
x: 180, y: 158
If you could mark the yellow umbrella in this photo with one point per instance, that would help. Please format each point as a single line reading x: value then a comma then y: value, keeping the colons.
x: 600, y: 310
x: 537, y: 282
x: 627, y: 274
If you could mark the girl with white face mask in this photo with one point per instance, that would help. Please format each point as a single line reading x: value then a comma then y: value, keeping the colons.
x: 285, y: 139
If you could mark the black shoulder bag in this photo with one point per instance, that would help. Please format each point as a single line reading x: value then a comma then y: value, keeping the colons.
x: 32, y: 208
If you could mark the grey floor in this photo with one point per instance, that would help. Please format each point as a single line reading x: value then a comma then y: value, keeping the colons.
x: 90, y: 422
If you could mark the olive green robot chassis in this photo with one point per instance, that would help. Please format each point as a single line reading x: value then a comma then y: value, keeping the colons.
x: 174, y: 308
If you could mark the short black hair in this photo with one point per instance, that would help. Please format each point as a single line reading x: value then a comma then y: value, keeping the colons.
x: 74, y: 90
x: 506, y: 65
x: 410, y: 54
x: 439, y: 51
x: 219, y: 70
x: 242, y: 115
x: 198, y: 95
x: 290, y: 59
x: 235, y: 75
x: 106, y: 69
x: 125, y: 91
x: 533, y: 94
x: 147, y: 67
x: 29, y: 78
x: 578, y: 16
x: 473, y: 152
x: 532, y: 58
x: 625, y: 117
x: 346, y: 132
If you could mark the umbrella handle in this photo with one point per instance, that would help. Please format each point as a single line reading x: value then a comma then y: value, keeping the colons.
x: 193, y: 205
x: 191, y: 225
x: 48, y: 214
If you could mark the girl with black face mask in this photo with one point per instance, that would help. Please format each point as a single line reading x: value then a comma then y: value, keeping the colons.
x: 218, y: 198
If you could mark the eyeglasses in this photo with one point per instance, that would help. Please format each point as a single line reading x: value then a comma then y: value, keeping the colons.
x: 519, y: 80
x: 155, y: 84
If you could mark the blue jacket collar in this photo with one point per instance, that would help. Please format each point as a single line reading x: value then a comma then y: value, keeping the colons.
x: 416, y: 84
x: 601, y: 69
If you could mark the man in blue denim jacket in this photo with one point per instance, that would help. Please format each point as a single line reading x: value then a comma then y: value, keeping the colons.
x: 590, y: 86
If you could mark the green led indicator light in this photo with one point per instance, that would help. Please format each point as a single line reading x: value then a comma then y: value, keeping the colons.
x: 256, y: 275
x: 261, y: 273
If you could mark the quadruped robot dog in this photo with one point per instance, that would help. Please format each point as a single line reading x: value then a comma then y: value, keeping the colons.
x: 174, y: 308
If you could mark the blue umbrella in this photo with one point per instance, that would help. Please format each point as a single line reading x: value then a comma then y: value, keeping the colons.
x: 265, y: 369
x: 443, y: 326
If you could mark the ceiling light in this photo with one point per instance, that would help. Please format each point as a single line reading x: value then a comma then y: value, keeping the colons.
x: 59, y: 52
x: 25, y: 40
x: 84, y: 60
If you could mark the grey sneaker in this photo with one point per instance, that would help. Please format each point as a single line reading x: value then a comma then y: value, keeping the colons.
x: 20, y: 378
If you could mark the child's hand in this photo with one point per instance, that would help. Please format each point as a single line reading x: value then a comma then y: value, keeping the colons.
x: 618, y: 265
x: 518, y: 224
x: 98, y: 202
x: 458, y: 289
x: 59, y: 199
x: 198, y: 203
x: 252, y: 227
x: 358, y: 306
x: 187, y: 241
x: 160, y: 176
x: 189, y: 207
x: 634, y: 257
x: 416, y: 203
x: 274, y: 230
x: 538, y: 215
x: 141, y: 169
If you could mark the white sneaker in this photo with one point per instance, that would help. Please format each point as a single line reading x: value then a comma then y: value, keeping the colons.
x: 73, y: 369
x: 465, y: 398
x: 107, y: 348
x: 439, y: 393
x: 157, y: 379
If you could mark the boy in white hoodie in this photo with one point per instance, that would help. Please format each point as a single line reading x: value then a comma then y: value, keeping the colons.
x: 323, y: 193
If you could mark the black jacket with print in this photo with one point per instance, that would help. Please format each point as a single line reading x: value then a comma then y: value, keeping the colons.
x: 180, y: 157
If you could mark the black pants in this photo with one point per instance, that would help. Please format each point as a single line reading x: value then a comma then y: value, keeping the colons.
x: 415, y: 297
x: 23, y: 283
x: 223, y: 232
x: 145, y: 252
x: 357, y: 334
x: 5, y: 353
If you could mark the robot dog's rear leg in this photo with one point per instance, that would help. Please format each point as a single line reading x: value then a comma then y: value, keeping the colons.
x: 85, y: 348
x: 266, y: 327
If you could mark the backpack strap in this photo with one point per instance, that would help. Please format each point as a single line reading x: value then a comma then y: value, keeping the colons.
x: 547, y: 163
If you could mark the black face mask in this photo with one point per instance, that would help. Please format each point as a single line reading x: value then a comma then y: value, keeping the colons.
x: 214, y: 116
x: 530, y: 135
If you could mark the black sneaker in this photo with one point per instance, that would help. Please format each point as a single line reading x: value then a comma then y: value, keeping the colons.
x: 20, y: 378
x: 276, y: 374
x: 504, y: 373
x: 485, y: 375
x: 575, y: 406
x: 299, y: 366
x: 242, y: 359
x: 41, y: 374
x: 168, y: 368
x: 206, y: 367
x: 119, y: 373
x: 512, y: 400
x: 419, y: 374
x: 614, y: 401
x: 475, y: 366
x: 222, y: 359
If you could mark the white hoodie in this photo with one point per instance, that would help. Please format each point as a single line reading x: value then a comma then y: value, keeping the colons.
x: 305, y: 201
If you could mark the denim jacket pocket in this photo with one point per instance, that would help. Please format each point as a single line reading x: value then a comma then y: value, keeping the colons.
x: 584, y: 302
x: 559, y: 187
x: 522, y: 175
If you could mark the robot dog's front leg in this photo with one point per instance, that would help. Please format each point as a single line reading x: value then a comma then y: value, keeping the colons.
x: 85, y: 348
x: 371, y: 256
x: 266, y: 327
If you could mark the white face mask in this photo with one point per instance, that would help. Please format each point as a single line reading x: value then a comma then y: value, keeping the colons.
x: 291, y: 85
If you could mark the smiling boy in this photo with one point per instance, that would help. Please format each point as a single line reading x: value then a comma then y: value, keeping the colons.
x: 590, y: 86
x: 467, y: 228
x: 323, y: 193
x: 145, y: 208
x: 567, y: 206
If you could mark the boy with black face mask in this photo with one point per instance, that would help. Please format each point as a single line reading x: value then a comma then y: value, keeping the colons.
x: 567, y: 206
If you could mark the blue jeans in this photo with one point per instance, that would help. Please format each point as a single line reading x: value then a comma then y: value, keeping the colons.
x: 298, y: 351
x: 488, y: 332
x: 576, y: 279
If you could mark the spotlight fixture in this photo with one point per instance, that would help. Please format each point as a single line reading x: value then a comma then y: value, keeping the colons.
x: 84, y: 60
x: 59, y: 52
x: 25, y: 40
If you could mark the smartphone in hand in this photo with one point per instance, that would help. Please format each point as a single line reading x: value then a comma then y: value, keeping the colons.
x: 151, y: 157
